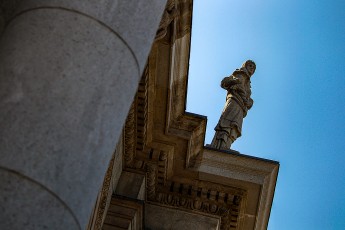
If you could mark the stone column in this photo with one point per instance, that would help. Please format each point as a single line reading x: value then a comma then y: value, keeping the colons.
x: 68, y: 73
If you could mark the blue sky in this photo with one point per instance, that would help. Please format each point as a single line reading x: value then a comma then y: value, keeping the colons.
x: 298, y: 91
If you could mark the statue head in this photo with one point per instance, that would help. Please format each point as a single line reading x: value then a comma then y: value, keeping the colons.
x: 249, y: 66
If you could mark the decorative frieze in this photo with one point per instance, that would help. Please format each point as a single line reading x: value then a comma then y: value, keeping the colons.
x: 103, y: 199
x: 130, y: 137
x: 200, y: 196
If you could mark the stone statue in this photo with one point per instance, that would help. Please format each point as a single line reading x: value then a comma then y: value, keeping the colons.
x: 238, y: 102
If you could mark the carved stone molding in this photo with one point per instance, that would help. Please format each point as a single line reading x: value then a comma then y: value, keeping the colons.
x: 179, y: 13
x: 130, y: 137
x: 247, y: 169
x: 124, y: 214
x: 135, y: 126
x: 169, y: 14
x: 184, y: 21
x: 199, y: 196
x: 151, y: 181
x: 188, y: 126
x: 103, y: 199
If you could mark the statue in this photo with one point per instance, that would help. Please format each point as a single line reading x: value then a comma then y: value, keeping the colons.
x: 238, y: 102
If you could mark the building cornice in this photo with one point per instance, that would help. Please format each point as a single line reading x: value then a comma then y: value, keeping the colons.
x: 164, y: 141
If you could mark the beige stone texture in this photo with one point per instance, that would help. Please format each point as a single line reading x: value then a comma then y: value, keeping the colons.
x: 124, y: 214
x: 164, y: 218
x: 131, y: 185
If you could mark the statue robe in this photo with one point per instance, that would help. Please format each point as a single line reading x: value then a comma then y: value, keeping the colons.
x: 238, y: 102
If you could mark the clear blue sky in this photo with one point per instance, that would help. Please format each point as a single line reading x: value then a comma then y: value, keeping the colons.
x: 299, y: 96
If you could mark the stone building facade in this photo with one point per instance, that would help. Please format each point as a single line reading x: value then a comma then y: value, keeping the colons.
x: 94, y: 132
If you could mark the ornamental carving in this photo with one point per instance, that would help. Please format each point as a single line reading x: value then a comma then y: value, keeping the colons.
x: 169, y: 14
x: 130, y: 137
x: 135, y: 126
x: 103, y: 197
x: 195, y: 196
x: 205, y: 197
x: 178, y: 12
x: 177, y: 137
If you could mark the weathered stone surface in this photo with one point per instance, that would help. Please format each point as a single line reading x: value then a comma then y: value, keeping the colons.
x: 124, y: 214
x: 58, y: 125
x: 69, y: 71
x: 21, y: 215
x: 163, y: 218
x: 7, y: 9
x: 131, y: 185
x: 135, y: 22
x: 256, y: 175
